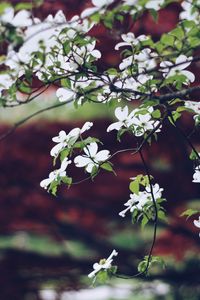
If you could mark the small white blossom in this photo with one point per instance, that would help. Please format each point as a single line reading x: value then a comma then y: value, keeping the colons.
x: 138, y: 123
x: 104, y: 264
x: 92, y: 158
x: 137, y: 202
x: 67, y: 140
x: 182, y: 62
x: 124, y: 119
x: 129, y: 39
x: 53, y: 176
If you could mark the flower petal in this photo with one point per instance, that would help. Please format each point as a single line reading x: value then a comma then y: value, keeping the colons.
x: 81, y: 161
x: 102, y: 155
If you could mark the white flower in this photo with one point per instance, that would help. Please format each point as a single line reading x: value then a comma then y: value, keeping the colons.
x: 130, y: 39
x: 53, y: 176
x: 91, y: 158
x: 138, y: 123
x: 67, y: 140
x: 154, y: 4
x: 137, y: 202
x: 182, y: 62
x: 104, y: 264
x: 196, y: 176
x: 123, y: 117
x: 21, y: 19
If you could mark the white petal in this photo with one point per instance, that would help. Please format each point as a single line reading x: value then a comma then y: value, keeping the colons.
x: 81, y: 161
x: 122, y: 44
x: 90, y: 167
x: 190, y: 76
x: 56, y: 149
x: 88, y: 11
x: 197, y: 223
x: 45, y: 182
x: 64, y: 164
x: 60, y: 138
x: 116, y: 126
x: 86, y: 126
x: 96, y: 53
x: 22, y: 19
x: 102, y: 155
x: 181, y: 59
x: 91, y: 149
x: 64, y: 94
x: 121, y: 113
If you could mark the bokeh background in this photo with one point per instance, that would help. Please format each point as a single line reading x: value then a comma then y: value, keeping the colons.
x: 48, y: 244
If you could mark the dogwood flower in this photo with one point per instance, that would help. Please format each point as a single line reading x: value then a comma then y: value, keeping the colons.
x: 138, y: 201
x: 196, y: 176
x: 56, y: 174
x: 197, y: 223
x: 124, y: 119
x: 129, y: 39
x: 104, y: 264
x: 92, y: 158
x: 181, y: 63
x: 67, y: 140
x: 138, y: 123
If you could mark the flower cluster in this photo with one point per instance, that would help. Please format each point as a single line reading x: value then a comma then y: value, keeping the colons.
x: 138, y: 201
x: 68, y: 140
x: 92, y: 159
x: 138, y: 121
x: 56, y: 176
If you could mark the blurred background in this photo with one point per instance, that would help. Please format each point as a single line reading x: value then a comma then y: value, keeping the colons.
x: 49, y: 244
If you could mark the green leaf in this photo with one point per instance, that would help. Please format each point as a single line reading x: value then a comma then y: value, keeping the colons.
x: 144, y: 222
x: 67, y: 180
x: 142, y: 266
x: 154, y: 14
x: 65, y: 82
x: 64, y: 153
x: 193, y: 155
x: 107, y: 166
x: 135, y: 186
x: 167, y: 40
x: 189, y: 212
x: 156, y: 114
